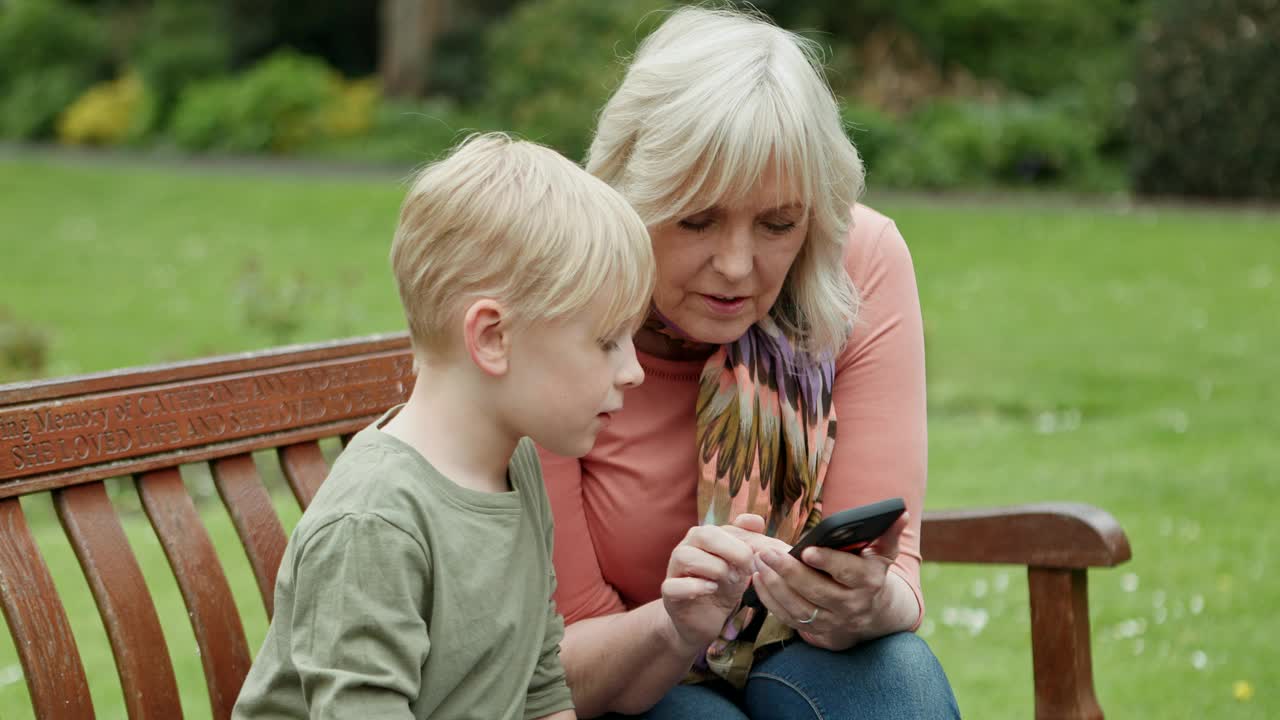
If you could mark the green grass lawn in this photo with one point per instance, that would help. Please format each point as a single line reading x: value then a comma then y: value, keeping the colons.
x: 1124, y: 358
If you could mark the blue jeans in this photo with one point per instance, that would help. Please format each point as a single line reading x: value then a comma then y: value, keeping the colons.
x: 893, y: 677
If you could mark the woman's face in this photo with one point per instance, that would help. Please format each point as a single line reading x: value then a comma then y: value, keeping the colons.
x: 721, y: 269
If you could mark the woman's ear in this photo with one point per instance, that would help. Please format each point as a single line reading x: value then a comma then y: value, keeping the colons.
x: 486, y: 332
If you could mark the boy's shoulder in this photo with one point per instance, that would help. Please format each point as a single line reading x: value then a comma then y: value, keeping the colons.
x: 525, y: 463
x: 525, y: 470
x: 371, y: 477
x: 379, y: 475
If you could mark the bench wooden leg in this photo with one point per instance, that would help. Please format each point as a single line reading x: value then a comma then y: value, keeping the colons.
x: 1060, y: 644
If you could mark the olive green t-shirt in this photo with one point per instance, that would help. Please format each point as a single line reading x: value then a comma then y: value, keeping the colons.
x: 404, y: 595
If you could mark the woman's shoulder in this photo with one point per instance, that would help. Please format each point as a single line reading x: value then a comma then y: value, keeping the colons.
x: 868, y: 221
x: 880, y: 266
x: 873, y: 243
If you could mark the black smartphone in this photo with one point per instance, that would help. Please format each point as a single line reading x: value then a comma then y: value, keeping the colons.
x: 848, y: 530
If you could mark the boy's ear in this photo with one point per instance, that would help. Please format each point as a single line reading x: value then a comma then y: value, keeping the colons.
x: 486, y: 331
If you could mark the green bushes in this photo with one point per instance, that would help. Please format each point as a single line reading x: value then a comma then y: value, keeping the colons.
x: 946, y: 94
x: 549, y: 85
x: 548, y: 81
x: 50, y: 52
x: 1026, y: 75
x: 181, y: 43
x: 277, y: 105
x: 406, y: 132
x: 1208, y: 100
x: 1035, y: 47
x: 953, y: 144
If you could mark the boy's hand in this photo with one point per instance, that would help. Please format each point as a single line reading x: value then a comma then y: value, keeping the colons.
x: 706, y: 576
x: 562, y: 715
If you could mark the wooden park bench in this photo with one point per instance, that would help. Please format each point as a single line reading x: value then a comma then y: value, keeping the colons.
x: 67, y: 436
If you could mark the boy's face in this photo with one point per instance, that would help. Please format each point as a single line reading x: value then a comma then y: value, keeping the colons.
x: 566, y: 382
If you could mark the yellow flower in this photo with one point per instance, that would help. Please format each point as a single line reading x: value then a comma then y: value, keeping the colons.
x: 106, y: 113
x: 352, y: 110
x: 1242, y: 690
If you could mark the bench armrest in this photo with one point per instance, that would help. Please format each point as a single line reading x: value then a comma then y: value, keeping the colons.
x: 1055, y: 535
x: 1058, y: 542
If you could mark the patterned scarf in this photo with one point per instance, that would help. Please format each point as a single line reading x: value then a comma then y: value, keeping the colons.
x: 766, y: 428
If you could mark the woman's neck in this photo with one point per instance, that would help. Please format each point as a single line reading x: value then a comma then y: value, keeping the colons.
x: 657, y: 340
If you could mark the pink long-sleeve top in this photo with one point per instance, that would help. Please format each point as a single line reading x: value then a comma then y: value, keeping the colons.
x: 622, y: 509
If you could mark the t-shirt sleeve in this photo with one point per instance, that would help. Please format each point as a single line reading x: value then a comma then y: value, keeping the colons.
x: 548, y: 688
x: 879, y: 394
x: 359, y: 636
x: 581, y: 592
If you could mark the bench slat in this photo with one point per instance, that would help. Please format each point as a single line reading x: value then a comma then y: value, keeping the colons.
x: 214, y: 617
x: 38, y: 622
x: 141, y: 653
x: 261, y: 533
x: 189, y: 370
x: 92, y: 473
x: 138, y: 429
x: 304, y: 468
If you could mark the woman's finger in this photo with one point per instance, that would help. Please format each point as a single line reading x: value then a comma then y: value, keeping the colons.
x: 721, y: 543
x: 886, y: 546
x: 757, y: 542
x: 787, y: 603
x: 842, y: 572
x: 687, y: 560
x: 687, y: 588
x: 749, y: 522
x: 789, y: 615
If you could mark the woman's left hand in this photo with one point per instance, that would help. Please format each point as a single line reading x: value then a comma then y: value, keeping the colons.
x: 835, y: 599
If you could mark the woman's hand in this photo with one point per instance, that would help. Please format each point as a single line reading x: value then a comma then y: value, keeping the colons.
x: 706, y: 576
x: 834, y: 599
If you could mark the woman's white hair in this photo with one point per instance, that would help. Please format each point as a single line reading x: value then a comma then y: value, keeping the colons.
x: 711, y: 100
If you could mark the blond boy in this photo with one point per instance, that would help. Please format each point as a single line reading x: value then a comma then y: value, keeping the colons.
x: 418, y: 583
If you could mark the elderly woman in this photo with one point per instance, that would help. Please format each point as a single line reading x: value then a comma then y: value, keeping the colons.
x: 784, y: 362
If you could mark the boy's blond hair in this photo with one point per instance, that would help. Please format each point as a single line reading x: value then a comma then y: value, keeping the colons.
x: 517, y: 222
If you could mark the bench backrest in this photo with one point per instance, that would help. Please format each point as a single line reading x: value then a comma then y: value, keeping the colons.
x: 238, y: 415
x: 67, y: 437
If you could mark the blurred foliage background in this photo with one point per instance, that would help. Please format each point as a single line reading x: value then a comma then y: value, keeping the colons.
x: 1169, y: 97
x: 1094, y: 349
